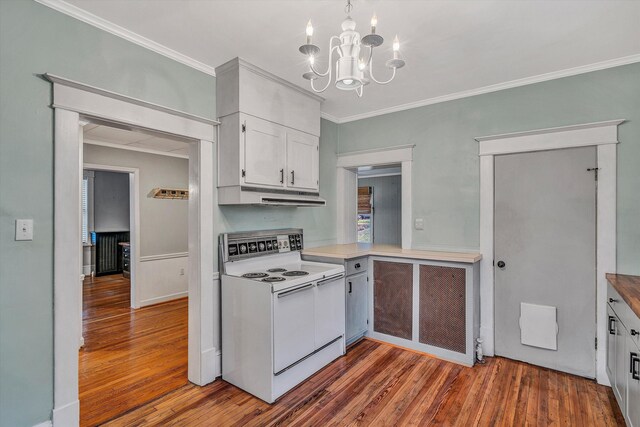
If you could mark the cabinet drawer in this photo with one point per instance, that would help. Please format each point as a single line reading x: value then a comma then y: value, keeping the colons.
x: 627, y: 317
x: 355, y: 266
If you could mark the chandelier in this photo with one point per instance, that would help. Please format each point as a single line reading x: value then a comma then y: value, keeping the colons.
x: 354, y: 65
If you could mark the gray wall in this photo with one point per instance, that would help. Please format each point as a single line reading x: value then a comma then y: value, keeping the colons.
x: 110, y: 201
x: 387, y: 198
x: 163, y: 222
x: 446, y: 165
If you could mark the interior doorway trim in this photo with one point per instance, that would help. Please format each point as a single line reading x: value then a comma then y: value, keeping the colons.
x: 604, y: 135
x: 134, y: 221
x: 73, y: 102
x: 347, y: 188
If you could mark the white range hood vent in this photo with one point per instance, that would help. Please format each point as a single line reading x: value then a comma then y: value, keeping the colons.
x: 250, y: 196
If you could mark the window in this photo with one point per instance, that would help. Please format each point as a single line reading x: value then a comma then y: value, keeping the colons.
x: 365, y: 215
x: 85, y: 210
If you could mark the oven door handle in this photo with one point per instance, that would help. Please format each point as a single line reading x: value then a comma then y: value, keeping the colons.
x: 296, y: 290
x: 330, y: 279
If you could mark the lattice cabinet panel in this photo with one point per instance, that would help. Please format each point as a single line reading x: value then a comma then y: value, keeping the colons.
x: 393, y: 298
x: 442, y: 307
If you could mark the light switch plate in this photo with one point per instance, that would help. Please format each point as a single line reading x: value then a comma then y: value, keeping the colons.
x: 419, y: 224
x: 24, y: 229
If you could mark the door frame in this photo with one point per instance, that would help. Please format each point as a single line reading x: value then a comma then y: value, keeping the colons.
x: 134, y: 220
x: 603, y: 135
x: 347, y: 188
x: 72, y: 103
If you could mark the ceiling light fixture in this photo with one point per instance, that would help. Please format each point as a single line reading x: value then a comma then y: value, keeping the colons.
x: 353, y: 72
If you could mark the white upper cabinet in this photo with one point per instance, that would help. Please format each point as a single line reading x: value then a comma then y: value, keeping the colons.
x: 269, y: 136
x: 302, y: 161
x: 264, y: 153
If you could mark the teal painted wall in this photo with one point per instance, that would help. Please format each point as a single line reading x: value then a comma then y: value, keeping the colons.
x: 33, y: 40
x: 446, y: 172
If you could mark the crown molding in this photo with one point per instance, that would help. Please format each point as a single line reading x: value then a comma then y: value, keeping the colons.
x: 131, y: 148
x: 492, y: 88
x: 116, y: 30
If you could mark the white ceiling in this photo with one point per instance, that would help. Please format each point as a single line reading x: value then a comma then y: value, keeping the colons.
x: 452, y: 48
x: 127, y: 139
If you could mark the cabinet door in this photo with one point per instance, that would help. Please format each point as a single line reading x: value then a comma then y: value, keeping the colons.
x: 330, y: 308
x: 442, y: 315
x: 612, y: 324
x: 633, y: 384
x: 264, y: 153
x: 357, y: 307
x: 303, y: 160
x: 622, y: 367
x: 393, y: 298
x: 293, y: 325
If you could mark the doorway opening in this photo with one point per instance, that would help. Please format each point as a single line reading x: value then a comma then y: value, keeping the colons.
x: 135, y: 253
x: 379, y: 217
x: 394, y: 162
x: 74, y: 104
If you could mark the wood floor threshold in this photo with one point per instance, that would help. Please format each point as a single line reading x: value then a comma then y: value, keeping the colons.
x: 412, y: 350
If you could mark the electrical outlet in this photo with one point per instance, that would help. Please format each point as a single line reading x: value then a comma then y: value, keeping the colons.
x: 419, y: 224
x: 24, y: 229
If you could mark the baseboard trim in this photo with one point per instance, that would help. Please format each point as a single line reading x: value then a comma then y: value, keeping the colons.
x: 67, y: 415
x: 164, y: 298
x: 44, y: 424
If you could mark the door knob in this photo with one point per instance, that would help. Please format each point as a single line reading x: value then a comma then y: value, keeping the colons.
x: 501, y: 264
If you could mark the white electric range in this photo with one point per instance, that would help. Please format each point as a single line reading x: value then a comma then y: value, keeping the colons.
x: 283, y: 319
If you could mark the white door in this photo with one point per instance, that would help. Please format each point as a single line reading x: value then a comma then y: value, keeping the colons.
x: 293, y: 325
x: 357, y: 310
x: 545, y: 251
x: 302, y: 160
x: 330, y: 309
x: 264, y: 153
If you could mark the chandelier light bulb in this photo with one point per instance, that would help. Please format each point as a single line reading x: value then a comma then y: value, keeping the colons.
x: 312, y: 59
x: 396, y: 44
x: 374, y: 23
x: 309, y: 31
x: 361, y: 65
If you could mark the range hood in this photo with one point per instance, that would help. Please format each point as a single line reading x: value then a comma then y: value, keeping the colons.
x: 237, y: 195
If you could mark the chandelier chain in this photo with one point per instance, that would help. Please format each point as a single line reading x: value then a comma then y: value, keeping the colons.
x: 348, y: 8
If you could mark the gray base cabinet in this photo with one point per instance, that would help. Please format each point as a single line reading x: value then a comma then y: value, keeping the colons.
x: 356, y: 298
x: 623, y: 356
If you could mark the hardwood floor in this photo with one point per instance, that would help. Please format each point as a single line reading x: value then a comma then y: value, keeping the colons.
x: 130, y: 357
x: 380, y: 385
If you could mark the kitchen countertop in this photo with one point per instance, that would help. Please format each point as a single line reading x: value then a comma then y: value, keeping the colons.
x: 629, y: 289
x: 357, y: 250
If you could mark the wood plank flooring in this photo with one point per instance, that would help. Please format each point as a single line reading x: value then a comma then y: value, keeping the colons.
x: 376, y: 384
x: 130, y: 357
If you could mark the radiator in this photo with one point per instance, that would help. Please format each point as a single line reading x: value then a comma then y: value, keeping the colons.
x: 108, y: 252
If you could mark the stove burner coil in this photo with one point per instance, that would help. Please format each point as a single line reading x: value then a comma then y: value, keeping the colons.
x: 271, y: 279
x: 254, y: 275
x: 276, y: 270
x: 295, y: 273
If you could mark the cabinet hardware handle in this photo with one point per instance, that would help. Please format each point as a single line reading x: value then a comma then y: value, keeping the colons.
x: 611, y: 300
x: 612, y: 322
x: 634, y: 333
x: 501, y: 264
x: 350, y: 287
x: 635, y: 361
x: 281, y: 176
x: 330, y: 279
x: 357, y: 265
x: 293, y: 177
x: 295, y: 291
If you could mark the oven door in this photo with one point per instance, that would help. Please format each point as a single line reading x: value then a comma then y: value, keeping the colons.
x: 293, y: 325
